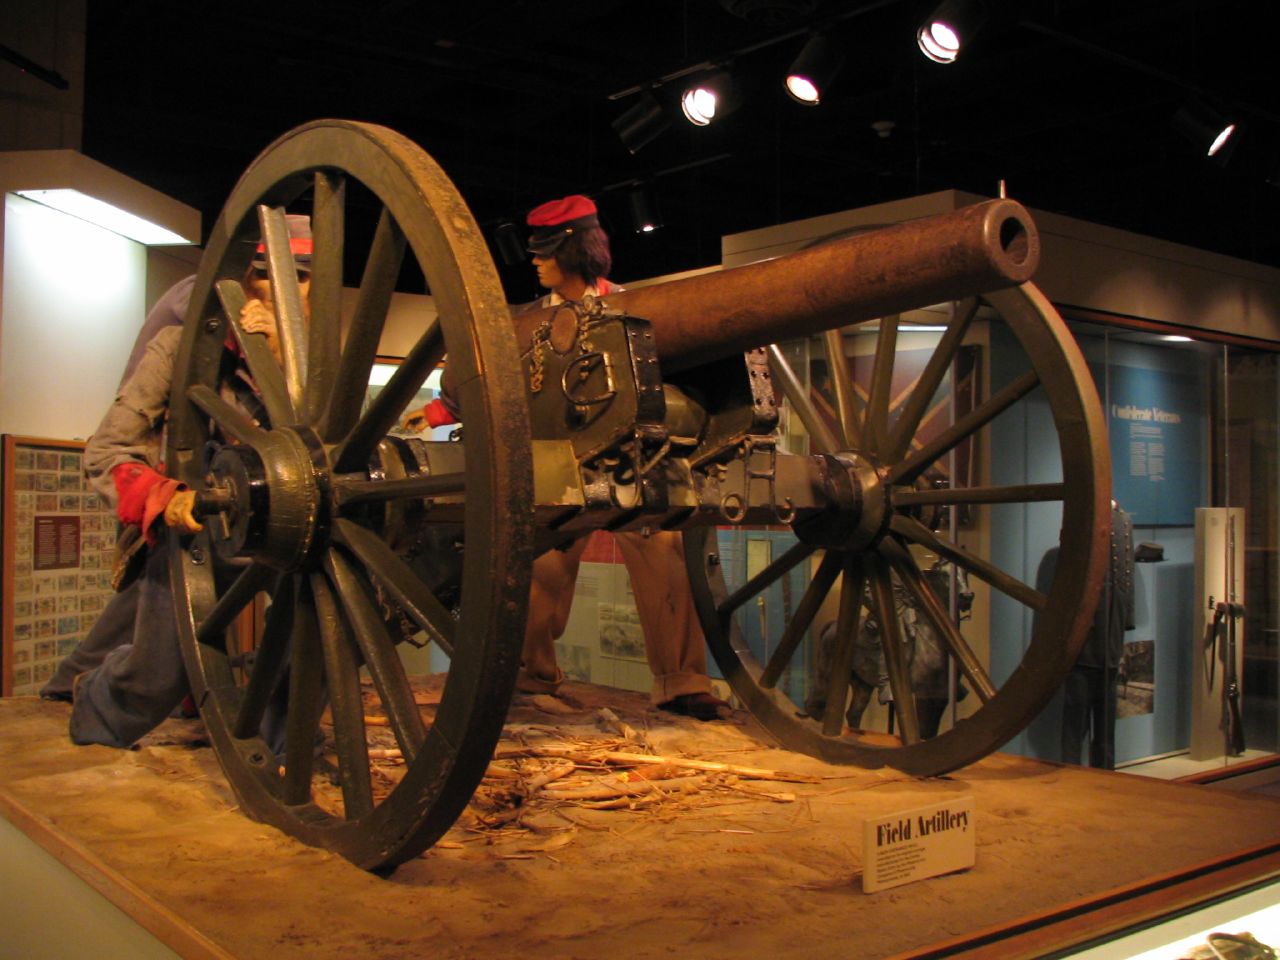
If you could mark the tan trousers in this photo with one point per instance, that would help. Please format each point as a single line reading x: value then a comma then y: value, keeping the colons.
x: 673, y: 640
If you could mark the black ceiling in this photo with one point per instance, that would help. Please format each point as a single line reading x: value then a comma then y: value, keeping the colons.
x: 1068, y: 101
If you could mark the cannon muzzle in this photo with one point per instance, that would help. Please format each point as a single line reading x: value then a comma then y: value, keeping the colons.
x: 985, y: 247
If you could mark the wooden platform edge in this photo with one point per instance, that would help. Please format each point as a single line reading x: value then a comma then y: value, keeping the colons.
x: 1121, y: 910
x: 1218, y: 774
x: 157, y: 919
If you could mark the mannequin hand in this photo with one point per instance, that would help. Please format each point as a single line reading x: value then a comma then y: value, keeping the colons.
x: 415, y: 421
x: 178, y: 512
x: 257, y: 317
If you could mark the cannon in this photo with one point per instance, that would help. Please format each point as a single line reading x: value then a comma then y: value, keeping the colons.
x: 652, y: 409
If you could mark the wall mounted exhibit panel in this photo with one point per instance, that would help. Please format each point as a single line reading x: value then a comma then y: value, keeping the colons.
x: 58, y: 551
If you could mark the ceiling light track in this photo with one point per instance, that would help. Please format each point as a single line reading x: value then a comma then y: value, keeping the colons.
x: 720, y: 62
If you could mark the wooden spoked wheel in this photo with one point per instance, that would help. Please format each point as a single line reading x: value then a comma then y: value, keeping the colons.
x: 863, y: 558
x: 306, y: 495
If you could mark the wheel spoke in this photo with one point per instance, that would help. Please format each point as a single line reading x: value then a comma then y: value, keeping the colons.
x: 877, y: 421
x: 328, y: 229
x: 917, y: 532
x: 355, y: 489
x: 377, y: 646
x: 233, y: 422
x: 931, y: 605
x: 895, y: 654
x: 970, y: 423
x: 372, y: 303
x: 346, y: 705
x: 286, y: 298
x: 306, y: 697
x: 1024, y: 493
x: 262, y: 365
x: 268, y: 659
x: 240, y: 594
x: 820, y: 434
x: 396, y: 577
x: 842, y: 383
x: 848, y: 624
x: 354, y: 452
x: 934, y: 372
x: 762, y: 580
x: 808, y: 608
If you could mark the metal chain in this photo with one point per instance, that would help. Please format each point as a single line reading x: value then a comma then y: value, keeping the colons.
x: 540, y: 338
x: 587, y: 312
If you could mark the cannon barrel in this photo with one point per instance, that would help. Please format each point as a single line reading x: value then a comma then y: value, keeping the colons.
x: 985, y: 247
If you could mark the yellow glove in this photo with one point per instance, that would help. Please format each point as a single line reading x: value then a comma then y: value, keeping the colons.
x: 178, y: 512
x: 415, y: 421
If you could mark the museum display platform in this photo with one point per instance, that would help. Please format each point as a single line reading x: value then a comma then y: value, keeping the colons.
x: 706, y: 864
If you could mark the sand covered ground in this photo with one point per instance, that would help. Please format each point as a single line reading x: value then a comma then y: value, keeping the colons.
x: 707, y: 865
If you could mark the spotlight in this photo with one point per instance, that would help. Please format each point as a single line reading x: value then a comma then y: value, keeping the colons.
x: 708, y: 98
x: 644, y: 122
x: 1209, y: 131
x: 643, y: 211
x: 510, y: 246
x: 952, y: 24
x: 812, y: 72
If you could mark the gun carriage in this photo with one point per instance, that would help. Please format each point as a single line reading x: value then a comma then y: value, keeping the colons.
x: 652, y: 409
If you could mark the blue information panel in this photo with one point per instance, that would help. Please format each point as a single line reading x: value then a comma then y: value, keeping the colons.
x: 1156, y: 423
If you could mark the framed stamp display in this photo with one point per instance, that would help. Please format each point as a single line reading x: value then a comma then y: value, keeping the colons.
x: 55, y: 570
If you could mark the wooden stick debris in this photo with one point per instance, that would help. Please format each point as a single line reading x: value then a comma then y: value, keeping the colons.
x: 614, y: 787
x: 620, y: 803
x: 555, y: 772
x: 611, y: 721
x: 630, y: 759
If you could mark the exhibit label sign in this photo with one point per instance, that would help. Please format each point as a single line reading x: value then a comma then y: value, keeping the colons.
x: 919, y: 843
x: 1155, y: 421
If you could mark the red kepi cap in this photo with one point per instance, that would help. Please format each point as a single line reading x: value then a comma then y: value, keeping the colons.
x: 556, y: 220
x: 300, y: 243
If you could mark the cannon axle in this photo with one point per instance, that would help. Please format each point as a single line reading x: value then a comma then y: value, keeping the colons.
x: 858, y: 509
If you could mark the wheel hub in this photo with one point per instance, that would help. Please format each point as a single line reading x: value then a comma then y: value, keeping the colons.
x: 858, y: 510
x: 268, y: 498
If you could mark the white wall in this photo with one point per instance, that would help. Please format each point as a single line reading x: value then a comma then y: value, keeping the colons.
x: 73, y: 299
x: 407, y: 317
x: 166, y: 266
x: 1100, y: 268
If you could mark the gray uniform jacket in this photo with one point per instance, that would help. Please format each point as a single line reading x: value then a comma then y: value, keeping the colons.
x: 133, y: 428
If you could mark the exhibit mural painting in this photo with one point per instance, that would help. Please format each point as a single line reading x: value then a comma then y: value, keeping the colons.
x: 1136, y: 680
x: 1155, y: 421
